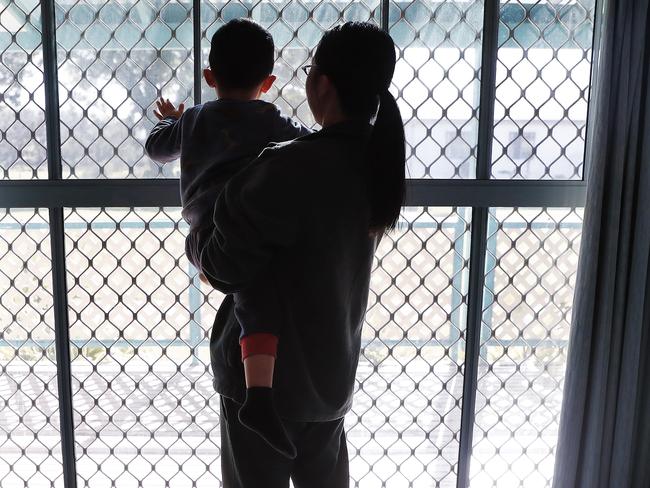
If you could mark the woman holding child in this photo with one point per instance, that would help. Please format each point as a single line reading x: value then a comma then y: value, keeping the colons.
x: 304, y: 219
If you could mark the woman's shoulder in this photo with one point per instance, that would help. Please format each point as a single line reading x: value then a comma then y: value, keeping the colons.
x: 316, y: 146
x: 286, y: 152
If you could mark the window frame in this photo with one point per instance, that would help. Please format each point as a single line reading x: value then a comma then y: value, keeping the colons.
x: 480, y: 194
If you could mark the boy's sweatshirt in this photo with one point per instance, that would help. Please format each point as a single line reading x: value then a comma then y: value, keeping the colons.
x: 214, y: 141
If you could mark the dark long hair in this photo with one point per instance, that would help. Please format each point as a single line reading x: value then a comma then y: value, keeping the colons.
x: 359, y: 59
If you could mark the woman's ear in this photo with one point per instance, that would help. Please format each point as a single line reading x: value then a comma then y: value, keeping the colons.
x: 209, y: 78
x: 330, y: 96
x: 326, y: 88
x: 268, y: 83
x: 323, y: 98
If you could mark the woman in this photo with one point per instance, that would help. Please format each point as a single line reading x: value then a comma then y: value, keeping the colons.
x: 305, y: 218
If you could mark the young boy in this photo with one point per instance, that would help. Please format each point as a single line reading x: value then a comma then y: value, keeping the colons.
x: 214, y: 141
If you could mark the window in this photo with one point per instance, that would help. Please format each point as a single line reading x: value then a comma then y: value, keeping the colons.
x: 464, y: 346
x: 30, y: 440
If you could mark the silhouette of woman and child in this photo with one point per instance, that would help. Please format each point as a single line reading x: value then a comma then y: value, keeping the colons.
x: 285, y: 221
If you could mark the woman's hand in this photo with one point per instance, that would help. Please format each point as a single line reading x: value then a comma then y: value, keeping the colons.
x: 167, y: 109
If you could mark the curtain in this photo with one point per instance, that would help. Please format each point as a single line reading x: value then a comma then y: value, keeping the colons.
x: 604, y: 438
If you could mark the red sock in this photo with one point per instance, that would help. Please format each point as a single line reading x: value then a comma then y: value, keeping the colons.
x: 260, y: 343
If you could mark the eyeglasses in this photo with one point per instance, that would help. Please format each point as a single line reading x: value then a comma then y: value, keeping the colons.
x: 307, y: 68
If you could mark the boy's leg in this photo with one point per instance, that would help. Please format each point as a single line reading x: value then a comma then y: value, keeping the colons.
x: 246, y: 460
x: 258, y: 412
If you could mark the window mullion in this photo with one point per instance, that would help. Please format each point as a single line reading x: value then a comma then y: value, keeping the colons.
x: 50, y: 81
x: 57, y: 242
x: 472, y: 340
x: 488, y: 89
x: 62, y: 345
x: 479, y: 238
x: 163, y: 192
x: 385, y: 10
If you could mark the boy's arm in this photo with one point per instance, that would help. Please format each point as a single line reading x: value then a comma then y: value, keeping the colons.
x: 164, y: 141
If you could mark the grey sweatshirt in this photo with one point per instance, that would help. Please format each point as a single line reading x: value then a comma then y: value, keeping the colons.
x: 300, y: 215
x: 214, y: 141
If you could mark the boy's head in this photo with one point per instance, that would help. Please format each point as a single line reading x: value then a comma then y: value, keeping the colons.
x: 241, y: 58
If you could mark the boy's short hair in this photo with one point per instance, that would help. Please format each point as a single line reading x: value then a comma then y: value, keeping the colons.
x: 241, y: 55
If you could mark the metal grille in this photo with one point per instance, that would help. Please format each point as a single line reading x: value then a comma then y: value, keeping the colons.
x: 296, y: 27
x: 145, y: 412
x: 22, y: 130
x: 532, y: 257
x: 142, y: 388
x: 145, y: 407
x: 115, y: 59
x: 437, y: 82
x: 29, y: 426
x: 543, y: 70
x: 403, y: 428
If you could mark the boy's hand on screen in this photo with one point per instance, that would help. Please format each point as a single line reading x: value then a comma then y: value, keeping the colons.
x: 203, y: 279
x: 167, y: 109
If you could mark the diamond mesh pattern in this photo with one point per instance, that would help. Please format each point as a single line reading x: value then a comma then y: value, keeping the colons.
x: 146, y: 413
x: 436, y: 79
x: 22, y: 128
x: 143, y: 397
x: 115, y: 59
x: 403, y: 429
x: 531, y: 262
x: 543, y: 73
x: 30, y: 452
x: 145, y: 407
x: 296, y: 27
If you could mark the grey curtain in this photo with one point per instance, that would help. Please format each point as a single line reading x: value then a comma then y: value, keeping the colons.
x: 605, y: 426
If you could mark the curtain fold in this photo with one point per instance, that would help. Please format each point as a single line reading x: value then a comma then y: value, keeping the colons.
x: 605, y: 425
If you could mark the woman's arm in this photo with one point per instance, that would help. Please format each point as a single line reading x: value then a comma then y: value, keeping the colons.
x: 254, y: 217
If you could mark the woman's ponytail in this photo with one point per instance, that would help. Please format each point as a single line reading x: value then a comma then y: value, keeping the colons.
x: 359, y: 58
x: 385, y: 157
